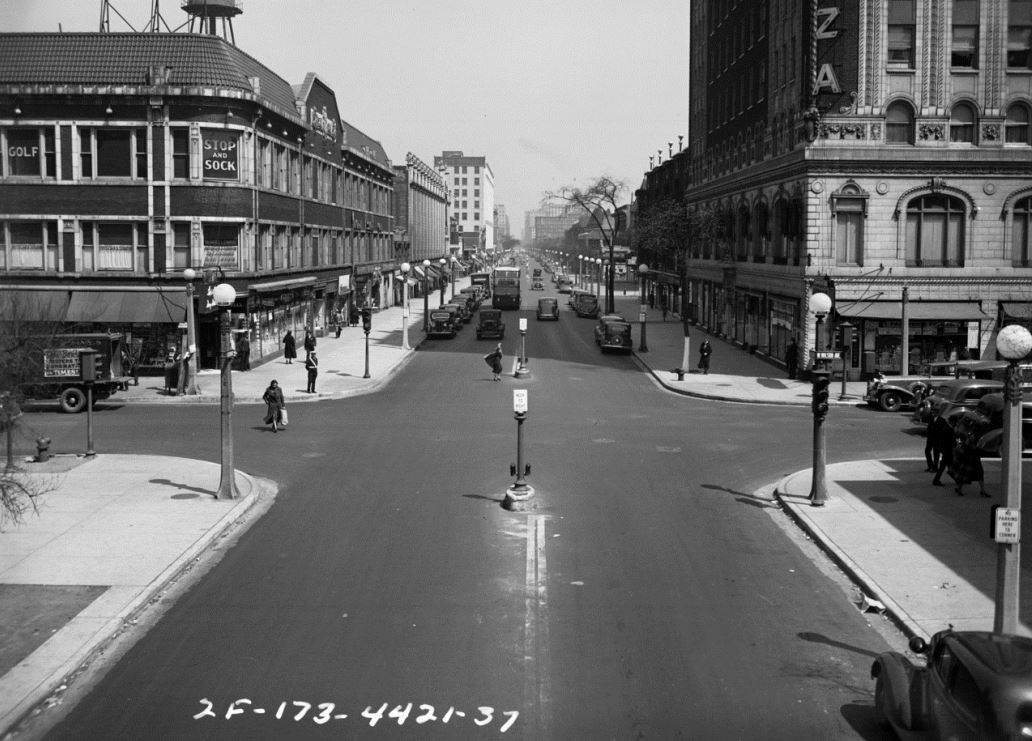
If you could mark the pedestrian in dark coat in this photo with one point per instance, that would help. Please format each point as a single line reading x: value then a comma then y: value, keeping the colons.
x: 309, y: 341
x: 353, y: 315
x: 705, y: 350
x: 939, y: 447
x: 967, y: 467
x: 244, y: 353
x: 312, y: 366
x: 274, y: 405
x: 289, y: 347
x: 792, y: 358
x: 494, y: 359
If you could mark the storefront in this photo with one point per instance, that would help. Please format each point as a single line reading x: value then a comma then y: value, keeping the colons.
x: 275, y: 307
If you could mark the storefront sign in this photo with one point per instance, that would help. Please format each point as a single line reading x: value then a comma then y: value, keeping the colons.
x: 220, y: 153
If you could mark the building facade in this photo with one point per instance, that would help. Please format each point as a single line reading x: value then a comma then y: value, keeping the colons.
x: 421, y: 220
x: 470, y: 181
x: 878, y: 151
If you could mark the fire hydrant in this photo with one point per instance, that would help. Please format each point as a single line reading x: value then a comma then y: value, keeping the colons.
x: 42, y: 449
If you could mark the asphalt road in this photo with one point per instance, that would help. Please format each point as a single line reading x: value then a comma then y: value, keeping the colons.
x: 651, y: 594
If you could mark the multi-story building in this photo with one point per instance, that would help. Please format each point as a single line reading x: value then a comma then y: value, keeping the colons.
x: 470, y: 182
x: 127, y: 158
x: 878, y: 151
x: 420, y: 216
x: 503, y: 230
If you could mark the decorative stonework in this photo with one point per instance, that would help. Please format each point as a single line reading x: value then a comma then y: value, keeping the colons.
x: 989, y: 188
x: 933, y: 132
x: 842, y: 131
x: 876, y: 132
x: 990, y: 132
x: 935, y: 185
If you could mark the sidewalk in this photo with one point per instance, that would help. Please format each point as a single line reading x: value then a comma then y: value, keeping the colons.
x: 134, y: 523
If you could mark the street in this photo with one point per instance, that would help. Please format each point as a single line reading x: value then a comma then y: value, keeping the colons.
x: 386, y: 593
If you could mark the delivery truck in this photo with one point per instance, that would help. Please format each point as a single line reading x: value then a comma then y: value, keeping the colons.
x: 62, y: 366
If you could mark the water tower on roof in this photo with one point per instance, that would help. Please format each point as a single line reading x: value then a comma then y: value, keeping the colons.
x: 206, y: 14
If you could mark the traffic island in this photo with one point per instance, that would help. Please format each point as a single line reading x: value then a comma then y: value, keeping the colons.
x: 518, y: 498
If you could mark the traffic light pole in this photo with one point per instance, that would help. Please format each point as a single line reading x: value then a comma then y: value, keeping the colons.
x: 367, y: 326
x: 818, y: 486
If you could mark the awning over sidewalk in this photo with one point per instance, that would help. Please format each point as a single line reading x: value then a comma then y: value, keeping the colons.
x: 961, y: 311
x: 134, y: 307
x: 46, y: 305
x: 281, y: 285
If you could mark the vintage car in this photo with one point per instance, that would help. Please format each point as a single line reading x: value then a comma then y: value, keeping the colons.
x: 457, y: 314
x: 537, y: 286
x: 989, y: 417
x: 974, y: 685
x: 465, y: 302
x: 616, y: 336
x: 441, y: 324
x: 490, y: 324
x: 475, y: 295
x: 894, y: 392
x: 564, y: 283
x: 946, y: 396
x: 602, y: 320
x: 548, y: 309
x: 586, y: 305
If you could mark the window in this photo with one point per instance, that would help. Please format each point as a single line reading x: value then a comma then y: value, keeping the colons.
x: 962, y: 124
x: 29, y: 242
x: 901, y: 33
x: 110, y: 245
x: 1021, y: 234
x: 31, y: 152
x: 1016, y: 127
x: 220, y: 245
x: 1019, y: 34
x: 935, y: 232
x: 899, y: 123
x: 849, y: 235
x: 964, y: 47
x: 180, y: 153
x: 113, y: 153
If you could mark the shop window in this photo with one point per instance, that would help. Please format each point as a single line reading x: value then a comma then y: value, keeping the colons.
x: 221, y: 245
x: 935, y: 232
x: 1019, y: 34
x: 1021, y: 234
x: 899, y: 123
x: 901, y: 33
x: 964, y: 46
x: 962, y: 124
x: 180, y: 246
x: 30, y: 152
x: 1016, y: 127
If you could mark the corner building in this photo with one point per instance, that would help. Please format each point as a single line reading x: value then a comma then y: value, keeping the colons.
x: 878, y: 151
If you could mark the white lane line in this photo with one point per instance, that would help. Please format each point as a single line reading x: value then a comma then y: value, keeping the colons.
x: 535, y: 636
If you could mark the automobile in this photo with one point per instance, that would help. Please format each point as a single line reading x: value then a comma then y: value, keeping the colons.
x: 564, y: 284
x: 586, y: 305
x: 456, y: 312
x: 441, y: 324
x: 466, y: 303
x: 616, y: 336
x: 537, y: 286
x: 475, y: 294
x: 600, y: 327
x: 989, y: 416
x: 490, y: 324
x: 972, y: 685
x: 960, y: 393
x: 890, y: 394
x: 548, y: 309
x: 575, y: 293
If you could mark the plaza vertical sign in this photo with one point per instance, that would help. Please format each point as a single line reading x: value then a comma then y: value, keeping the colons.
x: 836, y: 56
x: 220, y: 153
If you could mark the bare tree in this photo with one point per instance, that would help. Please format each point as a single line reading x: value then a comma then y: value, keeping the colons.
x: 599, y: 201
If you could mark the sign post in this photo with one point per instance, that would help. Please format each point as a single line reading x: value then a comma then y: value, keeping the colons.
x: 518, y: 496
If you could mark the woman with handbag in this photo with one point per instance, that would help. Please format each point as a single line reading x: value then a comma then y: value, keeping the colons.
x: 276, y: 408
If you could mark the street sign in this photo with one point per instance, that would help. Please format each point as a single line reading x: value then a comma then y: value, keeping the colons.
x: 523, y: 324
x: 828, y: 355
x: 519, y: 400
x: 1006, y: 524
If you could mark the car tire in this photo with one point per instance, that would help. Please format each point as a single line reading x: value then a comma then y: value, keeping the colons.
x: 72, y: 400
x: 890, y: 401
x: 879, y: 704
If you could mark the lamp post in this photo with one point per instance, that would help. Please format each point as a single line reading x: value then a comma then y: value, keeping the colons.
x: 426, y: 296
x: 1013, y: 343
x: 598, y: 277
x: 847, y: 355
x: 190, y: 356
x: 224, y: 295
x: 820, y: 305
x: 643, y: 269
x: 405, y: 268
x: 580, y: 270
x: 521, y: 365
x: 444, y: 286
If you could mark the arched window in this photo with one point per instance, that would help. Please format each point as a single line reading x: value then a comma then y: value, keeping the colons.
x: 1017, y: 125
x: 935, y: 231
x: 1021, y: 234
x: 962, y: 124
x: 899, y: 123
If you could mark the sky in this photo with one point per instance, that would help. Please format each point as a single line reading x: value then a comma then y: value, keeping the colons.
x: 552, y: 93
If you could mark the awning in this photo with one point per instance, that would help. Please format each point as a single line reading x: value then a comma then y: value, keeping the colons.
x: 281, y: 285
x: 419, y: 271
x: 46, y: 305
x: 133, y: 307
x: 1016, y: 310
x: 916, y: 310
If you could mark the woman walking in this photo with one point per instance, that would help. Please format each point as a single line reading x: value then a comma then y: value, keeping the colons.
x: 705, y: 350
x: 494, y: 359
x: 289, y: 347
x: 275, y: 408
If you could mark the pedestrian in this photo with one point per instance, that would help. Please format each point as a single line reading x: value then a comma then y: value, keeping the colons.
x: 353, y: 315
x: 312, y: 366
x: 244, y: 353
x: 663, y: 305
x: 792, y: 357
x: 309, y: 340
x: 966, y: 466
x: 939, y: 445
x: 275, y: 407
x: 171, y: 372
x: 652, y: 299
x: 494, y: 359
x: 289, y: 347
x: 705, y: 350
x: 338, y: 319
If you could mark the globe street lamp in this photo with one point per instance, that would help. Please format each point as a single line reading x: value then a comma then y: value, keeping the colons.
x: 444, y: 285
x: 580, y: 270
x: 190, y: 357
x: 405, y: 268
x: 1013, y: 343
x: 643, y: 269
x: 598, y: 277
x: 224, y: 295
x: 820, y: 305
x: 426, y: 296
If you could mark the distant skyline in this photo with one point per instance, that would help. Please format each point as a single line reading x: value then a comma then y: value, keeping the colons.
x: 552, y: 94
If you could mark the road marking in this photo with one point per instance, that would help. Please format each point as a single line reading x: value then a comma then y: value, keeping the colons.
x: 535, y: 634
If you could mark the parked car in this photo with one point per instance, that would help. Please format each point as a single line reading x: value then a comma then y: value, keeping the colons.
x: 586, y: 305
x: 990, y: 413
x: 441, y: 324
x: 464, y: 302
x: 974, y: 685
x: 475, y: 294
x: 564, y: 283
x: 575, y: 293
x: 548, y: 309
x: 960, y: 393
x: 602, y: 321
x: 490, y: 324
x: 457, y: 315
x: 616, y: 336
x: 895, y: 392
x: 537, y: 286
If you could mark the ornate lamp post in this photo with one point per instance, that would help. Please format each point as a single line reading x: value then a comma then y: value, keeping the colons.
x: 190, y: 357
x: 444, y: 285
x: 580, y: 270
x: 598, y: 277
x: 1013, y: 343
x: 426, y: 296
x: 820, y: 305
x: 405, y: 268
x: 224, y: 295
x: 643, y: 269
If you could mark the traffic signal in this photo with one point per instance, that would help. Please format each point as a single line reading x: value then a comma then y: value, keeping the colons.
x: 821, y: 389
x: 98, y: 366
x: 367, y: 319
x: 88, y: 366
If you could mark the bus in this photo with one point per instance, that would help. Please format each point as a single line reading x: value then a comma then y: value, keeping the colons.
x: 505, y: 290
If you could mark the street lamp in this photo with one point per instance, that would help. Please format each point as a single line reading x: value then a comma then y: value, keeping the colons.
x: 580, y: 270
x: 642, y: 270
x: 426, y: 296
x: 190, y: 356
x: 598, y: 277
x: 1013, y: 343
x: 224, y: 295
x: 405, y: 268
x: 820, y: 305
x: 444, y: 286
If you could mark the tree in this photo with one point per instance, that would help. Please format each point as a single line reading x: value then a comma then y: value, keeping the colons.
x: 599, y: 202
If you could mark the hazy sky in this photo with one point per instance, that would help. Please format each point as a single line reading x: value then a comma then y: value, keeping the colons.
x: 552, y: 93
